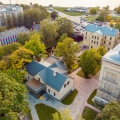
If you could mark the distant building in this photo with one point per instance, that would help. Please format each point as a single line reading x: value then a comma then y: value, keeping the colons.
x: 109, y: 79
x: 9, y: 10
x: 10, y: 36
x: 95, y: 36
x: 48, y: 76
x: 51, y: 7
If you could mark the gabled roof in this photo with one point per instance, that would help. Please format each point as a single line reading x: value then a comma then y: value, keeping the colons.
x: 99, y: 32
x: 104, y: 30
x: 34, y: 67
x: 56, y: 82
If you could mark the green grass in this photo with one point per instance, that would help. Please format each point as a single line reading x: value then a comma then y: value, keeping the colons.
x: 81, y: 74
x: 62, y: 9
x: 89, y: 114
x: 91, y: 18
x: 45, y: 112
x: 115, y: 18
x: 70, y: 97
x: 89, y: 101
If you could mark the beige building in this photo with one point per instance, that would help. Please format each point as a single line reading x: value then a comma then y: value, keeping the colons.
x: 48, y: 76
x: 95, y: 36
x: 109, y: 79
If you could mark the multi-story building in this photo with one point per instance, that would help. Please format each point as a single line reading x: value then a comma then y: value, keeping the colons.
x: 95, y: 36
x: 109, y: 79
x: 10, y: 36
x: 9, y: 10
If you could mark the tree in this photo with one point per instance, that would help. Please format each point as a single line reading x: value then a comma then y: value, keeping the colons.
x: 117, y: 25
x: 9, y: 49
x: 23, y: 37
x: 3, y: 19
x: 111, y: 111
x: 87, y: 63
x: 2, y: 29
x: 49, y: 30
x: 20, y: 19
x: 108, y: 18
x: 118, y: 10
x: 14, y: 20
x: 12, y: 98
x: 35, y: 45
x: 25, y: 7
x: 63, y: 115
x: 1, y: 3
x: 67, y: 51
x: 65, y: 26
x: 62, y: 37
x: 20, y: 57
x: 9, y: 21
x: 93, y: 10
x: 102, y: 50
x: 103, y: 14
x: 111, y: 23
x: 54, y: 15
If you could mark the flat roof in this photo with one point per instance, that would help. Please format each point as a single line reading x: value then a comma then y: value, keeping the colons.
x: 34, y: 83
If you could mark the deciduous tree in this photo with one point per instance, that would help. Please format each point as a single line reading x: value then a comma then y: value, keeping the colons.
x: 65, y: 26
x: 67, y: 51
x: 111, y: 111
x: 49, y: 30
x: 9, y: 21
x: 93, y: 10
x: 63, y: 115
x: 2, y: 29
x: 54, y: 15
x: 62, y: 37
x: 87, y: 63
x: 35, y: 45
x: 12, y: 98
x: 23, y: 37
x: 102, y: 50
x: 20, y: 19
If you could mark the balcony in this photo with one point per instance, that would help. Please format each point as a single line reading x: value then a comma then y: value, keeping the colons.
x: 108, y: 92
x: 110, y: 80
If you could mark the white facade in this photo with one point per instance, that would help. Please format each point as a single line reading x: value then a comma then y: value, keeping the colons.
x: 109, y: 80
x: 9, y: 10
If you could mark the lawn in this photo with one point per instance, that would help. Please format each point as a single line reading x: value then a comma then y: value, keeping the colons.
x: 70, y: 97
x: 91, y: 18
x: 45, y: 112
x: 89, y: 114
x: 89, y: 101
x: 63, y: 9
x: 81, y: 74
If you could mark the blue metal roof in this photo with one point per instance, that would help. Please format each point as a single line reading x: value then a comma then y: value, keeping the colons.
x: 56, y: 81
x: 34, y: 67
x: 105, y: 30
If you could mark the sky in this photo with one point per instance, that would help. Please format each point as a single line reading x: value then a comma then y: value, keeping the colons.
x: 69, y: 3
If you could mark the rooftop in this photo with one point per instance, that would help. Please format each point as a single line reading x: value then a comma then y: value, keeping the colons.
x: 113, y: 55
x: 101, y: 30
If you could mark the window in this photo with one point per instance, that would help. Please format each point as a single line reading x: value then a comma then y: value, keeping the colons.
x: 110, y: 88
x: 49, y: 90
x: 39, y: 79
x: 105, y: 37
x: 54, y: 94
x: 109, y: 43
x: 108, y: 74
x: 86, y: 37
x: 92, y: 41
x: 106, y: 86
x: 108, y: 49
x: 110, y: 38
x: 28, y: 77
x: 97, y: 42
x: 64, y: 85
x: 95, y: 37
x: 86, y: 33
x: 91, y: 46
x: 104, y: 42
x: 113, y: 77
x: 98, y: 38
x: 92, y: 36
x: 68, y: 82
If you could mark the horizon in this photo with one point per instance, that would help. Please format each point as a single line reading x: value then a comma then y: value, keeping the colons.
x: 61, y: 3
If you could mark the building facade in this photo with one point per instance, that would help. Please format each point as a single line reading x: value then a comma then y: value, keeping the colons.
x: 10, y: 36
x: 95, y: 36
x: 48, y: 76
x: 8, y: 10
x: 109, y: 79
